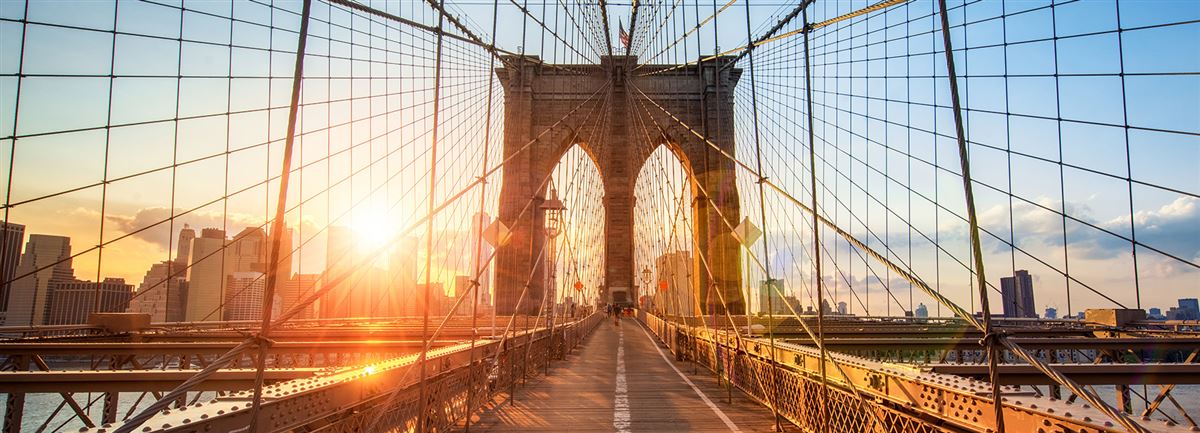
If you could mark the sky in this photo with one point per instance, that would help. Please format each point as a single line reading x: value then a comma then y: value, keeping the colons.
x: 96, y: 152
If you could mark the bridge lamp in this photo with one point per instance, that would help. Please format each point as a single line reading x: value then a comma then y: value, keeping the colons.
x: 554, y: 226
x: 646, y: 274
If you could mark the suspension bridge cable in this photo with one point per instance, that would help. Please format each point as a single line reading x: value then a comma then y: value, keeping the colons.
x: 758, y: 263
x: 1012, y: 346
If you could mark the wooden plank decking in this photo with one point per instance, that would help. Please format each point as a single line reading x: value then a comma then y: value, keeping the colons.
x: 584, y: 393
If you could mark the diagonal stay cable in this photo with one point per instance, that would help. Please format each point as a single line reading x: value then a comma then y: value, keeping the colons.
x: 758, y: 263
x: 235, y: 352
x: 872, y: 8
x: 1015, y: 348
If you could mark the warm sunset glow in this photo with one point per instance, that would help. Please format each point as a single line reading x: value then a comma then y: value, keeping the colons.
x: 372, y: 230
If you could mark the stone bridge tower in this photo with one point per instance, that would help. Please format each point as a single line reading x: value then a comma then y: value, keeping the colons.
x: 606, y: 109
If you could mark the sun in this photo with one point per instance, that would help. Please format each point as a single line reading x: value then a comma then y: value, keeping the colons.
x: 373, y: 230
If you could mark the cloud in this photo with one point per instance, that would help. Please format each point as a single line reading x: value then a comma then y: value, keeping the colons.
x: 1173, y: 228
x: 152, y: 224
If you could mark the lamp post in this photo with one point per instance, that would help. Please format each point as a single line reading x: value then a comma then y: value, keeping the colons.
x: 553, y: 207
x: 646, y: 274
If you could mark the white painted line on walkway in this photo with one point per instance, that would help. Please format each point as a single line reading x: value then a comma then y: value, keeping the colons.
x: 621, y: 417
x: 620, y: 379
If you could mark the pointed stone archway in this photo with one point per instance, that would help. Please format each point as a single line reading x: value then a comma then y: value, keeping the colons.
x: 549, y: 108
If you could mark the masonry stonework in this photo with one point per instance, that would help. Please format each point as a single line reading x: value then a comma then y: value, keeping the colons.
x: 612, y: 111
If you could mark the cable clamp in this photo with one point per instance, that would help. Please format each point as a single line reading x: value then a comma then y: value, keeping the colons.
x: 762, y: 180
x: 992, y: 337
x: 262, y: 341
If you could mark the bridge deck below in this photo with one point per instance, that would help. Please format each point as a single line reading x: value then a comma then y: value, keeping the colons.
x: 620, y: 381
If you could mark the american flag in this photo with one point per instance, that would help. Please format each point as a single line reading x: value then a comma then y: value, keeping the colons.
x: 623, y: 35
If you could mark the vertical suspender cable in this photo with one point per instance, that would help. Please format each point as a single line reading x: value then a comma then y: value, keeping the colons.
x: 422, y: 413
x: 762, y: 209
x: 816, y: 233
x: 989, y: 338
x: 277, y: 224
x: 487, y: 139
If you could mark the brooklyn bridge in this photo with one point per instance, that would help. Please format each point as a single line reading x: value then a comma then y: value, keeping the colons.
x: 598, y: 216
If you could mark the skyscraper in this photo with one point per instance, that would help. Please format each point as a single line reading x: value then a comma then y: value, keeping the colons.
x: 439, y: 303
x: 675, y: 268
x: 71, y: 301
x: 462, y: 285
x: 247, y: 252
x: 374, y: 298
x: 29, y: 297
x: 922, y: 310
x: 183, y: 248
x: 1189, y: 309
x: 244, y: 296
x: 284, y: 267
x: 402, y: 267
x: 340, y: 264
x: 1016, y: 294
x: 298, y: 288
x: 480, y: 222
x: 1189, y: 303
x: 770, y: 297
x: 11, y: 237
x: 206, y: 277
x: 162, y: 293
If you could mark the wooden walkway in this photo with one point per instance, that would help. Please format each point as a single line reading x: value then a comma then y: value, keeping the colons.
x: 622, y: 380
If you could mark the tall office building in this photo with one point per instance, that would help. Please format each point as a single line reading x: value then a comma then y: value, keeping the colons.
x: 28, y: 299
x: 298, y: 288
x: 244, y: 294
x: 246, y: 252
x: 462, y: 285
x: 439, y: 303
x: 206, y: 277
x: 340, y: 263
x: 770, y: 294
x: 478, y: 223
x: 183, y: 247
x: 71, y: 301
x: 11, y: 237
x: 1188, y: 309
x: 373, y: 295
x: 922, y: 310
x: 402, y: 265
x: 162, y: 293
x: 842, y: 308
x: 675, y: 268
x: 1016, y: 294
x: 1189, y: 304
x: 284, y: 267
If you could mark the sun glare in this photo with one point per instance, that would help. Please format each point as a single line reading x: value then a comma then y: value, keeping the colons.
x: 372, y: 230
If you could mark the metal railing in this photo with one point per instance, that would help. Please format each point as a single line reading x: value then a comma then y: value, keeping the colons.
x: 867, y: 395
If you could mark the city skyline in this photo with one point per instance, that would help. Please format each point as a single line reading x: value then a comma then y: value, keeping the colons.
x: 153, y: 282
x: 189, y: 122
